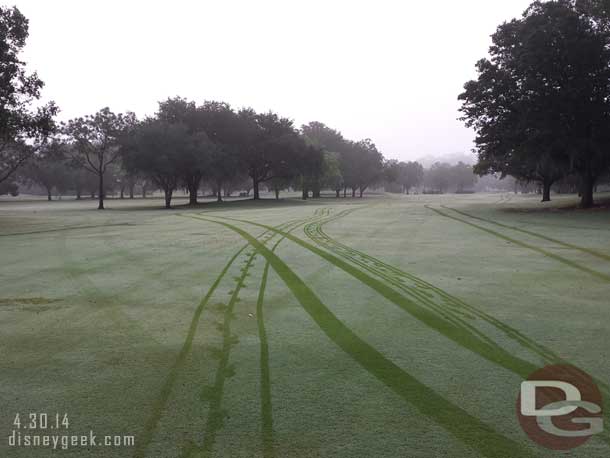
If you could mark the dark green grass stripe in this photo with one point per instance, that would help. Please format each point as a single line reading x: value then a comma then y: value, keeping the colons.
x: 457, y: 334
x: 535, y: 234
x: 457, y: 421
x: 68, y: 228
x: 266, y: 405
x: 554, y: 256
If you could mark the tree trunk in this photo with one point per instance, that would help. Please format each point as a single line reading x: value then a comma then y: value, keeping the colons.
x: 78, y: 192
x: 168, y: 197
x: 353, y: 192
x: 345, y: 191
x: 546, y: 190
x: 193, y: 188
x: 315, y: 192
x: 588, y: 184
x: 361, y: 192
x: 49, y: 197
x: 407, y: 188
x: 219, y: 192
x: 338, y: 191
x: 143, y: 191
x: 277, y: 193
x: 122, y: 192
x: 131, y: 189
x: 100, y: 205
x: 305, y: 193
x: 255, y: 187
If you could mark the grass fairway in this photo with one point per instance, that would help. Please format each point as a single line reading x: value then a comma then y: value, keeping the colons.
x: 377, y: 327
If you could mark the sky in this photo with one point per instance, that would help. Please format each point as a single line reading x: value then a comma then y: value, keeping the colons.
x: 386, y: 70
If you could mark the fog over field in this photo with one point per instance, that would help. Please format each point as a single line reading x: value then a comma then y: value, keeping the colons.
x: 280, y: 229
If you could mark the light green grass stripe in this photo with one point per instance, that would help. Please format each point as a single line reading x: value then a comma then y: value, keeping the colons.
x: 457, y: 421
x: 215, y: 393
x: 534, y: 234
x: 554, y: 256
x: 161, y: 400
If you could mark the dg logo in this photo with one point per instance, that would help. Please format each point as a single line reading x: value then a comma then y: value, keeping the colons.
x: 560, y: 407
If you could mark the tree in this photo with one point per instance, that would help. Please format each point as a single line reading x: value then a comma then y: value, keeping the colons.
x: 462, y: 177
x: 327, y: 140
x: 202, y: 124
x: 156, y: 149
x: 9, y: 187
x: 308, y: 167
x: 22, y: 129
x: 261, y: 139
x: 48, y: 168
x: 331, y: 172
x: 541, y: 104
x: 411, y: 175
x: 219, y: 122
x: 96, y: 142
x: 438, y: 177
x: 368, y: 165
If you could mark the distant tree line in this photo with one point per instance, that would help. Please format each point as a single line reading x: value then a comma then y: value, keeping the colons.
x: 541, y: 103
x: 540, y: 108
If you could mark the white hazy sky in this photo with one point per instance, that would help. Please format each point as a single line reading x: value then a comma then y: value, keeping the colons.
x: 388, y: 70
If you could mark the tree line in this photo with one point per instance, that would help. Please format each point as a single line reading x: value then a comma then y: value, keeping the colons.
x: 541, y: 103
x: 540, y: 108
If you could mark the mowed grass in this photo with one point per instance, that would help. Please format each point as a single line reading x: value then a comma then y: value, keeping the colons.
x: 385, y: 326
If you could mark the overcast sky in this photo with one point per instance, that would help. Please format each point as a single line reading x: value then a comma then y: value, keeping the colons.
x: 388, y: 70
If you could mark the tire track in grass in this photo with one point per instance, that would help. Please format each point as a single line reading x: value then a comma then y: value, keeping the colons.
x: 159, y: 403
x: 417, y: 292
x: 465, y: 427
x: 458, y: 334
x: 461, y: 335
x: 398, y: 278
x: 266, y: 404
x: 546, y: 253
x: 214, y: 394
x: 546, y: 354
x: 590, y: 251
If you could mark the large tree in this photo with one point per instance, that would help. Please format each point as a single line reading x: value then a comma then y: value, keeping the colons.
x: 263, y: 138
x: 328, y: 140
x: 541, y: 104
x: 23, y: 129
x: 196, y: 164
x: 368, y: 165
x: 156, y: 149
x: 96, y: 142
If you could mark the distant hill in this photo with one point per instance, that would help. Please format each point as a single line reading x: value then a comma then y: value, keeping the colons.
x: 450, y: 158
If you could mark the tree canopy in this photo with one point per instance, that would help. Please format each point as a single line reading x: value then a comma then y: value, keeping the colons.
x: 23, y: 128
